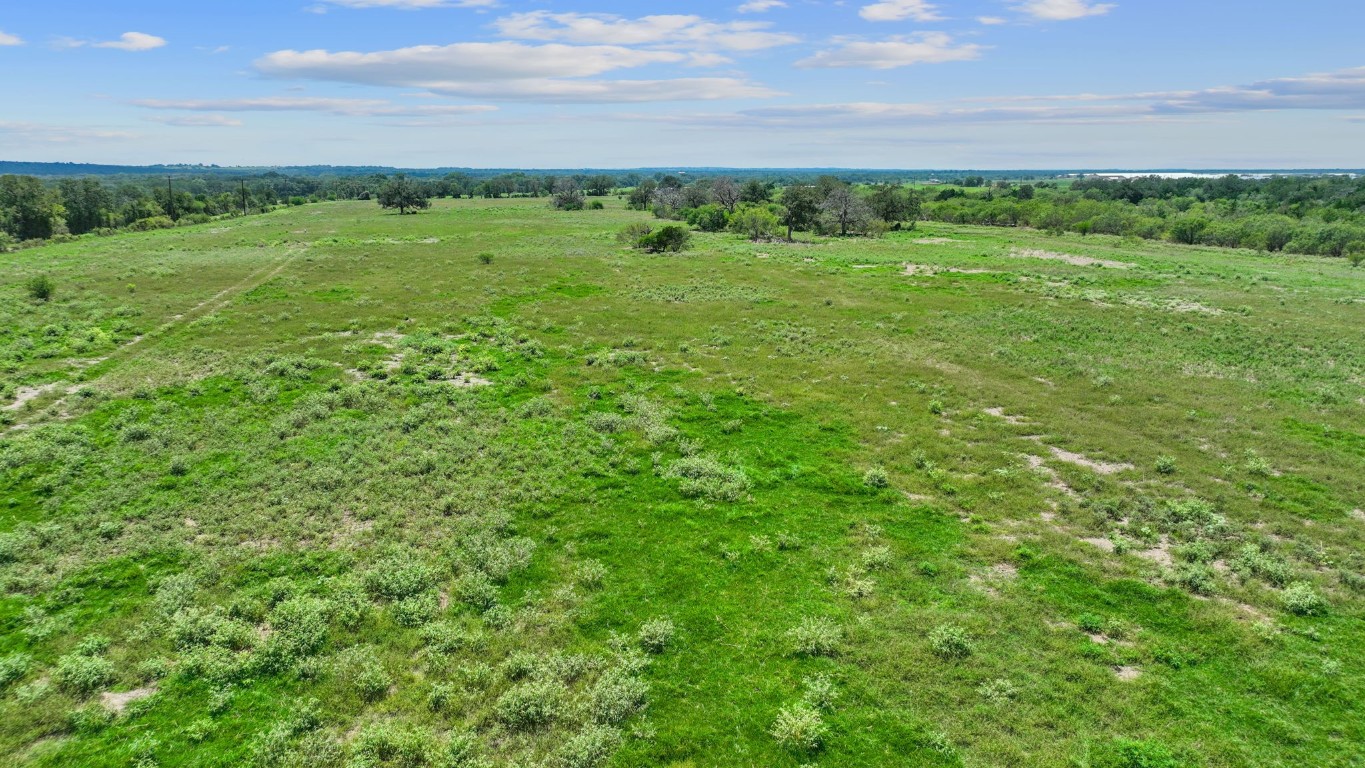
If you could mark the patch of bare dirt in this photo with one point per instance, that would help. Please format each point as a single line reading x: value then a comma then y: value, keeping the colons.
x: 928, y: 270
x: 469, y: 380
x: 934, y: 241
x: 25, y: 394
x: 1103, y: 544
x: 1100, y: 467
x: 1127, y: 673
x: 1077, y: 261
x: 117, y: 702
x: 1053, y: 480
x: 999, y: 413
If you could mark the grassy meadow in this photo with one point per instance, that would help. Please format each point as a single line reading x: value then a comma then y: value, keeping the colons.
x: 480, y: 487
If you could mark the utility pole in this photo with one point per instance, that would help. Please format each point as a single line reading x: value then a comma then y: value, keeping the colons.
x: 243, y: 197
x: 170, y: 199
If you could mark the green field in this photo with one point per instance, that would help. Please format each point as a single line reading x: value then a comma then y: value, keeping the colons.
x: 325, y: 487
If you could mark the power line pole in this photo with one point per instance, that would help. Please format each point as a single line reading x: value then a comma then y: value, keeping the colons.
x: 170, y: 199
x: 244, y: 197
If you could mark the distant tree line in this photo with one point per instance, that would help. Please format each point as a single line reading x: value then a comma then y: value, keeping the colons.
x: 1316, y: 215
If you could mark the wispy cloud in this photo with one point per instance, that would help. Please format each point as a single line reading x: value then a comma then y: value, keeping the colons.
x: 511, y: 71
x: 760, y: 6
x: 133, y: 41
x: 8, y: 39
x: 404, y: 5
x: 658, y: 31
x: 197, y: 121
x: 345, y: 107
x: 41, y: 133
x: 900, y: 10
x: 923, y: 48
x: 1063, y: 10
x: 991, y: 21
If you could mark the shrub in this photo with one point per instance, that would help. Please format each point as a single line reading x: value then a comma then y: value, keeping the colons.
x: 387, y: 744
x: 362, y: 671
x: 596, y: 205
x: 634, y: 233
x: 820, y: 692
x: 615, y: 696
x: 1165, y: 465
x: 1089, y: 622
x: 949, y: 641
x: 1252, y: 561
x: 443, y: 637
x: 656, y: 634
x: 588, y: 748
x: 12, y: 669
x: 876, y: 478
x: 82, y: 675
x: 531, y: 704
x: 590, y: 574
x: 476, y: 590
x: 816, y: 636
x: 300, y: 624
x: 708, y: 218
x: 399, y: 577
x: 485, y: 258
x: 799, y: 728
x: 41, y: 288
x: 706, y: 477
x: 1300, y: 598
x: 1195, y: 577
x: 673, y: 238
x: 1126, y: 753
x: 416, y: 610
x: 997, y: 691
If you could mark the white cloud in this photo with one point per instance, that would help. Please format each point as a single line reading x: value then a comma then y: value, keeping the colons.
x: 923, y: 48
x: 407, y: 5
x: 39, y: 133
x: 661, y: 30
x: 990, y: 21
x: 133, y: 41
x: 8, y: 39
x: 509, y: 70
x: 1063, y: 10
x: 900, y: 10
x: 760, y: 6
x: 197, y: 121
x: 346, y: 107
x: 1340, y: 90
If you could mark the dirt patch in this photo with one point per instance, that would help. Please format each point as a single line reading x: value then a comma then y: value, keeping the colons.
x: 934, y: 241
x: 1053, y: 480
x: 1100, y: 467
x: 1358, y: 514
x: 999, y: 413
x: 26, y: 394
x: 1127, y: 673
x: 469, y: 380
x: 1076, y: 261
x: 930, y: 271
x: 1160, y: 554
x: 1098, y: 638
x: 1103, y: 544
x: 117, y: 702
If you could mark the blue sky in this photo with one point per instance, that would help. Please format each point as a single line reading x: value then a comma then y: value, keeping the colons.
x: 575, y: 83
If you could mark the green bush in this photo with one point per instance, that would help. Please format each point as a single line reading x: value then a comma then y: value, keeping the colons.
x: 1300, y: 598
x: 360, y: 669
x: 12, y: 669
x: 656, y: 634
x: 588, y: 748
x: 399, y: 577
x: 672, y: 238
x: 615, y: 696
x: 816, y: 636
x: 799, y: 728
x: 82, y: 675
x: 41, y: 288
x: 876, y: 477
x: 531, y: 704
x: 949, y: 641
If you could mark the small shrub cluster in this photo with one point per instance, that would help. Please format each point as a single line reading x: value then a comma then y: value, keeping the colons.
x: 949, y: 641
x: 816, y: 636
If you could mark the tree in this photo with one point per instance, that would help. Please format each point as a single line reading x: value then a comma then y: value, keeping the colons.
x: 28, y: 210
x: 755, y: 222
x: 755, y: 191
x: 642, y: 196
x: 402, y: 193
x: 566, y: 196
x: 800, y: 208
x: 845, y: 211
x: 889, y: 202
x: 726, y: 193
x: 672, y: 238
x: 87, y: 204
x: 600, y: 185
x: 709, y: 218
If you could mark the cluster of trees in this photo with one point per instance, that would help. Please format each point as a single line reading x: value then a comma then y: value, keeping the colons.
x: 760, y: 210
x: 1316, y: 215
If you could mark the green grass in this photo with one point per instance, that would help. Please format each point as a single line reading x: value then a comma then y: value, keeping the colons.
x: 472, y: 485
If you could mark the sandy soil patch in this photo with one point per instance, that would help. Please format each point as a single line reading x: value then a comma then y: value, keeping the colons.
x: 934, y: 241
x: 1127, y: 673
x: 1358, y: 514
x: 1102, y: 544
x: 1100, y: 467
x: 117, y: 702
x: 999, y: 413
x: 1077, y: 261
x: 25, y: 394
x: 469, y: 380
x: 930, y: 271
x: 1053, y: 480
